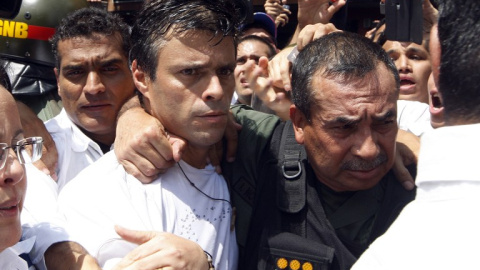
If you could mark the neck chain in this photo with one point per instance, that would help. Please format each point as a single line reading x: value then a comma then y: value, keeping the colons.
x: 195, y: 187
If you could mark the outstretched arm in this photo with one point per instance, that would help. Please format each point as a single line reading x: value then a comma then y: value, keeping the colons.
x: 279, y: 67
x: 275, y: 99
x: 271, y: 81
x: 275, y: 9
x: 430, y: 15
x: 313, y: 12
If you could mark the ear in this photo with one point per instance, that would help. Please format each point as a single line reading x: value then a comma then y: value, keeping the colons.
x: 140, y: 79
x: 299, y: 122
x: 435, y: 52
x: 57, y: 75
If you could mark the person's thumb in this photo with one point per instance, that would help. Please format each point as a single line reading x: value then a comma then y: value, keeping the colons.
x: 133, y: 236
x: 178, y: 146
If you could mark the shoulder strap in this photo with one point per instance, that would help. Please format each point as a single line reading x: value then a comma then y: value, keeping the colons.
x: 291, y: 196
x: 290, y: 153
x: 291, y: 183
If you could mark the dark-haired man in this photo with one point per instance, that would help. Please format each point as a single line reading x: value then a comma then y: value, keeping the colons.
x: 183, y: 57
x: 91, y: 48
x: 344, y: 115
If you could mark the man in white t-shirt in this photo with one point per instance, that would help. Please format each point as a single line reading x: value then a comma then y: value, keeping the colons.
x: 183, y: 57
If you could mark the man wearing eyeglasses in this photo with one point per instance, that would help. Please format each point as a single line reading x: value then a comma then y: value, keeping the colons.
x: 26, y: 216
x: 28, y: 150
x: 14, y: 153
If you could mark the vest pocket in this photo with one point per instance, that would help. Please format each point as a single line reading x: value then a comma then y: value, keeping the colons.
x: 292, y: 252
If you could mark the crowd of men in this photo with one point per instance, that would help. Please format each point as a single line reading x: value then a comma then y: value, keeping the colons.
x: 324, y: 184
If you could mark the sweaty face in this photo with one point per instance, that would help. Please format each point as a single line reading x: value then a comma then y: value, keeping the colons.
x: 13, y: 182
x: 94, y: 81
x: 193, y: 87
x: 247, y: 50
x: 350, y: 138
x: 413, y: 64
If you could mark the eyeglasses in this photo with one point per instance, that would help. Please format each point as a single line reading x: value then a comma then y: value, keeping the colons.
x: 27, y: 150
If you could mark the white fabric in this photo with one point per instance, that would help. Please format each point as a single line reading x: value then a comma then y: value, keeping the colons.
x: 104, y: 195
x: 234, y: 98
x: 40, y: 218
x: 440, y: 228
x: 76, y: 151
x: 22, y: 247
x: 9, y: 260
x: 413, y: 116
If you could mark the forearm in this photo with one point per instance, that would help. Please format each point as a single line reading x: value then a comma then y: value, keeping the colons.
x: 132, y: 103
x: 69, y: 255
x: 294, y: 38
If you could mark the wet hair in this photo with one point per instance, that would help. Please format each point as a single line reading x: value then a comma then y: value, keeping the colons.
x: 458, y: 32
x: 271, y: 49
x: 88, y: 23
x: 341, y: 56
x: 158, y: 20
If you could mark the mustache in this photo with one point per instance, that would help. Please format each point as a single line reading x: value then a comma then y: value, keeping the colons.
x: 358, y: 164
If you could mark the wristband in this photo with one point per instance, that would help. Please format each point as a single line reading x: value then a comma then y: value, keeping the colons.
x: 209, y: 261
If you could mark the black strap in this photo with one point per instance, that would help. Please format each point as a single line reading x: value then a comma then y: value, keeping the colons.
x: 291, y: 184
x: 290, y: 153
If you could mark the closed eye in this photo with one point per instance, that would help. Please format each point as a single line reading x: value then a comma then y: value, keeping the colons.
x: 110, y: 69
x: 346, y: 126
x: 73, y: 72
x: 386, y: 122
